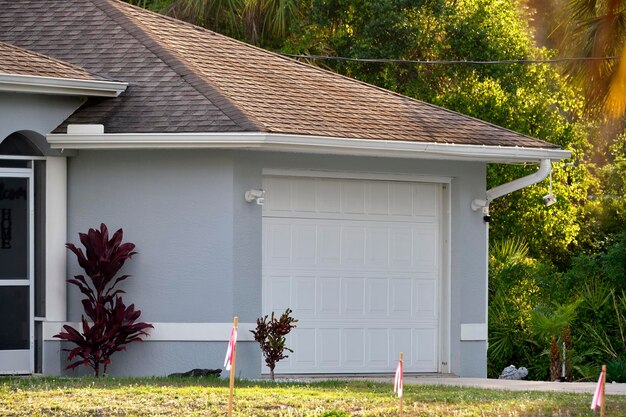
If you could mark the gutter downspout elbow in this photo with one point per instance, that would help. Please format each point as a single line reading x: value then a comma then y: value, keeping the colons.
x: 542, y: 173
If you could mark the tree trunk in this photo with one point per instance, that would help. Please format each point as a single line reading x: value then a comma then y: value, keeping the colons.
x: 555, y: 360
x: 272, y: 374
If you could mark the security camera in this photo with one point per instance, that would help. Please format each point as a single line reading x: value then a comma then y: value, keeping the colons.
x: 549, y: 199
x: 258, y: 195
x: 486, y: 215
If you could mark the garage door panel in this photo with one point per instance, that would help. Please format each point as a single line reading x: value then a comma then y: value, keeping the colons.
x: 377, y: 246
x: 278, y: 195
x: 378, y: 348
x: 303, y: 296
x: 377, y: 297
x: 329, y: 347
x: 329, y: 196
x: 425, y: 247
x: 353, y: 296
x: 353, y: 355
x: 279, y: 292
x: 401, y: 199
x: 304, y: 244
x: 367, y: 199
x: 304, y: 199
x: 426, y: 200
x: 353, y: 246
x: 278, y: 243
x: 358, y: 262
x: 425, y: 351
x: 401, y: 253
x: 303, y: 356
x: 377, y: 198
x: 401, y: 340
x: 328, y: 296
x: 401, y: 297
x: 352, y: 197
x: 426, y: 299
x: 329, y: 245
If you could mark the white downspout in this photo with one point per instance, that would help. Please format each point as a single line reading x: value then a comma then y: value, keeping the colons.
x: 509, y: 187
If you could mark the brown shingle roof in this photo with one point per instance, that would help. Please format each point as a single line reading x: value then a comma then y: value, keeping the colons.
x: 18, y: 61
x: 187, y: 79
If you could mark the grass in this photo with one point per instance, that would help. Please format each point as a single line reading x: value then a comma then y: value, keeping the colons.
x: 33, y: 396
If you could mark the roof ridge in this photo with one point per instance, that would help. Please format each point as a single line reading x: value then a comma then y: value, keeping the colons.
x: 184, y: 70
x: 55, y: 60
x: 312, y: 67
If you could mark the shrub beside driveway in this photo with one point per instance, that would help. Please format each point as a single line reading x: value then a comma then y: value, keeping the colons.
x: 32, y: 396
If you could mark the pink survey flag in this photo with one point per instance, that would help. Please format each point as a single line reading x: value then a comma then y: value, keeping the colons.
x: 397, y: 382
x: 228, y: 361
x: 597, y: 395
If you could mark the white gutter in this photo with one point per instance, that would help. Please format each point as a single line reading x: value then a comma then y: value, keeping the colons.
x: 544, y: 170
x: 60, y: 86
x: 95, y: 139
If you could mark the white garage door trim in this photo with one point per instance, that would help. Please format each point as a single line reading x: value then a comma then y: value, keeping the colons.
x: 353, y: 328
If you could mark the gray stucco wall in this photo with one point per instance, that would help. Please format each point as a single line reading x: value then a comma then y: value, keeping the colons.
x: 37, y: 113
x: 199, y: 242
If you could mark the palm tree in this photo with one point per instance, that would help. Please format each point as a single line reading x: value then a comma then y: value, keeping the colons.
x: 597, y: 29
x: 553, y: 325
x: 260, y: 22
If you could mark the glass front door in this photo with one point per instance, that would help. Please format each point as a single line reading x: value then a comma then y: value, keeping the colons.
x: 16, y: 271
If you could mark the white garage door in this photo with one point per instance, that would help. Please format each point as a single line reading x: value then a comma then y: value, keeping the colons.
x: 358, y: 263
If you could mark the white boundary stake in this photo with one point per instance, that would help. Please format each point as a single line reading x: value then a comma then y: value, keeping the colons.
x: 229, y: 363
x: 398, y: 382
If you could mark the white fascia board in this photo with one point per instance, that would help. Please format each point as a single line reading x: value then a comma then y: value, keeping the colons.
x: 306, y: 144
x: 60, y: 86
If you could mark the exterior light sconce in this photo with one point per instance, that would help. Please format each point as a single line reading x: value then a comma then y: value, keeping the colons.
x: 255, y: 195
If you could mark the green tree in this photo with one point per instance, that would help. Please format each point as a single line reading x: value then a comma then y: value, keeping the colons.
x: 554, y: 325
x: 261, y: 22
x: 597, y: 29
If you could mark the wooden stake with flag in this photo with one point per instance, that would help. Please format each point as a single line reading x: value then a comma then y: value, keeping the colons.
x: 397, y: 381
x: 598, y: 395
x: 229, y: 362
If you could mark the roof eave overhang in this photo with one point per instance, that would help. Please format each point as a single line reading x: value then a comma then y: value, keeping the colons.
x: 60, y: 86
x: 307, y: 144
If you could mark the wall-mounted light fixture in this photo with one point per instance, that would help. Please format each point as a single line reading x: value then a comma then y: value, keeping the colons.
x: 255, y: 195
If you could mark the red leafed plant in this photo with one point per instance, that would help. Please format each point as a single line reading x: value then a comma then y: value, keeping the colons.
x: 270, y: 333
x: 109, y: 324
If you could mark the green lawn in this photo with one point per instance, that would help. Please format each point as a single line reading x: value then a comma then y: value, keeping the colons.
x: 202, y: 397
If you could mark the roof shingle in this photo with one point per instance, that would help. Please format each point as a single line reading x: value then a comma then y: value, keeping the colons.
x: 188, y: 79
x: 19, y: 61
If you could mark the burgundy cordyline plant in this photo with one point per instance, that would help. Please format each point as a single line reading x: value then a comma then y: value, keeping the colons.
x: 108, y: 324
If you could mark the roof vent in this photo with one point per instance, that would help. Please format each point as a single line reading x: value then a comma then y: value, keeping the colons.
x: 85, y: 129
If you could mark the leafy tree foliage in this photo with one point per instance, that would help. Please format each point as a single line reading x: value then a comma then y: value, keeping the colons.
x: 596, y: 29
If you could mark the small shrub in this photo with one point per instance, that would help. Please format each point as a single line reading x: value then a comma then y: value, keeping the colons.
x: 616, y: 371
x: 109, y: 324
x: 270, y: 333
